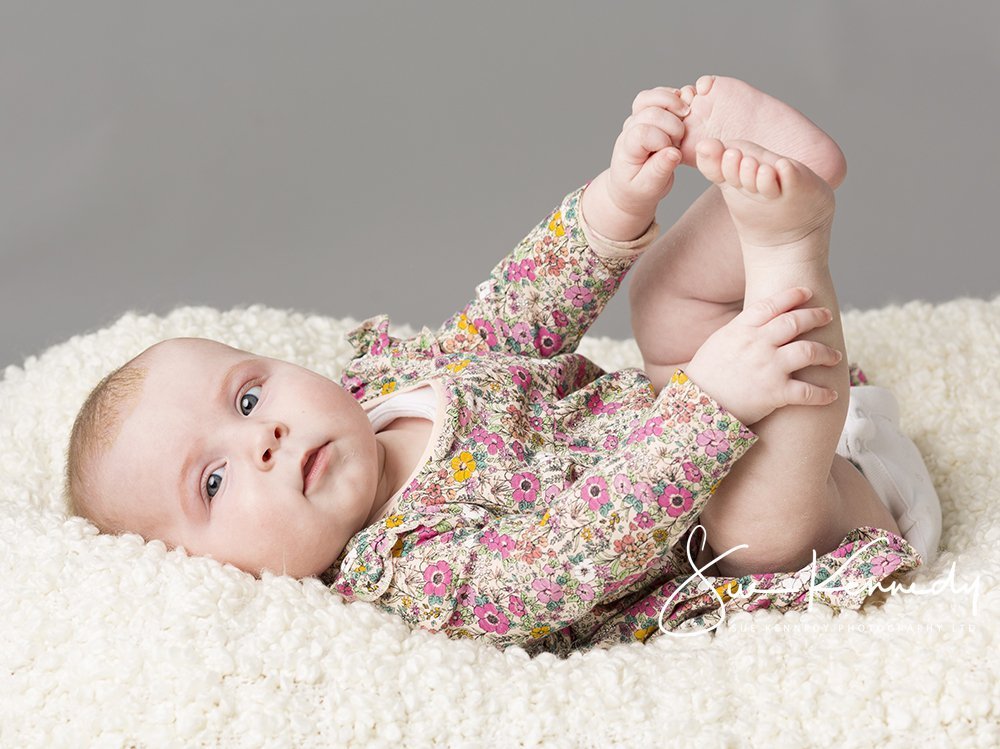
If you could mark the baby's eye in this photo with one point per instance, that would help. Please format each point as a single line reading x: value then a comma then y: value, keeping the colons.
x: 249, y: 400
x: 214, y: 482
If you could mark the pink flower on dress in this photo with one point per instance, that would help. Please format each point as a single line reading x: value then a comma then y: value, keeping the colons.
x: 498, y: 542
x: 516, y: 606
x: 380, y: 344
x: 492, y: 619
x: 547, y: 342
x: 585, y: 592
x: 643, y: 492
x: 579, y: 295
x: 487, y: 328
x: 595, y: 405
x: 650, y: 428
x: 621, y: 483
x: 520, y: 376
x: 643, y: 520
x: 456, y: 620
x: 595, y: 491
x: 884, y: 564
x: 525, y: 487
x: 559, y: 318
x: 436, y: 578
x: 494, y: 443
x: 677, y: 500
x: 611, y: 442
x: 843, y: 551
x: 523, y: 269
x: 691, y: 471
x: 521, y: 333
x: 478, y: 434
x: 354, y: 386
x: 465, y: 596
x: 714, y: 442
x: 547, y: 590
x: 518, y: 449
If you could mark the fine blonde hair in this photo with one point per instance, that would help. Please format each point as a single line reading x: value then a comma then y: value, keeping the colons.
x: 94, y: 431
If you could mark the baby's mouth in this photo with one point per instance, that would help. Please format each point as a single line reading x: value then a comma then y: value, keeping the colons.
x: 313, y: 466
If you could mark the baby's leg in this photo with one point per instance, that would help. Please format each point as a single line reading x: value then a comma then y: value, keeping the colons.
x: 691, y: 281
x: 781, y: 497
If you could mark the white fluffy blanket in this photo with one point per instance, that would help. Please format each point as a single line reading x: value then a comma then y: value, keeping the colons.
x: 113, y: 642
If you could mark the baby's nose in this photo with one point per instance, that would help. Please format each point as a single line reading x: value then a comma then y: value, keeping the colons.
x: 270, y: 442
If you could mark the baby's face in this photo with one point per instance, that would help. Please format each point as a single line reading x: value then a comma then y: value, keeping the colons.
x: 213, y: 454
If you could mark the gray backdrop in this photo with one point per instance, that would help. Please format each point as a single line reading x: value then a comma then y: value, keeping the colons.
x: 351, y: 159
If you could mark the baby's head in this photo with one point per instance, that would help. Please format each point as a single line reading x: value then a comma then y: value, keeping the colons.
x: 205, y: 446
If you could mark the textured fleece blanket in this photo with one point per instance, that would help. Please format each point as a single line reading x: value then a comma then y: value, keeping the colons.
x: 113, y: 642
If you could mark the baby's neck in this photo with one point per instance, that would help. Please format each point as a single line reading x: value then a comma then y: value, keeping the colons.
x: 400, y: 445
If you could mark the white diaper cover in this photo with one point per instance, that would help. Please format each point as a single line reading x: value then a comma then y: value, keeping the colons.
x: 889, y: 460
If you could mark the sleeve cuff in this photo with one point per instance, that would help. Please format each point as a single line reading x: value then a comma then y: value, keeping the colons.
x: 612, y: 248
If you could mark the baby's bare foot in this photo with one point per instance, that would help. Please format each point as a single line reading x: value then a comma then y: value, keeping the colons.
x: 729, y: 109
x: 774, y: 200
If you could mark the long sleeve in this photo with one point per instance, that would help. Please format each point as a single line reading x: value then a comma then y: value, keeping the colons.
x: 542, y: 298
x: 516, y: 578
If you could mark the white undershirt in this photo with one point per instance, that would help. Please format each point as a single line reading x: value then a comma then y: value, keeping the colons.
x: 421, y: 402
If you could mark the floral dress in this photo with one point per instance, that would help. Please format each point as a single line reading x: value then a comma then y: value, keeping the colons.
x: 554, y: 509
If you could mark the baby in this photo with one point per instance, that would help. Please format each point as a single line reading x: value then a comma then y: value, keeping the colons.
x: 485, y: 480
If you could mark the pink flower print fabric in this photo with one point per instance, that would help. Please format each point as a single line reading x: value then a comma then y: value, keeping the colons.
x: 555, y: 507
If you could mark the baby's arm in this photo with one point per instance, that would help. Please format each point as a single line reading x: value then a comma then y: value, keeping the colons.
x: 542, y: 298
x: 516, y: 578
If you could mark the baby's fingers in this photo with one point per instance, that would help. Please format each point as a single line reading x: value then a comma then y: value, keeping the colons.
x: 764, y: 310
x: 641, y: 140
x: 668, y: 122
x: 799, y: 393
x: 662, y: 96
x: 801, y: 354
x: 790, y: 325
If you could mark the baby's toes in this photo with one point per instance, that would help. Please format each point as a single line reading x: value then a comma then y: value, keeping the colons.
x: 731, y: 161
x: 767, y: 182
x: 748, y: 173
x: 708, y: 159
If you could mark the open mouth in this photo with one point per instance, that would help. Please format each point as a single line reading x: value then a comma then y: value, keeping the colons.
x: 314, y: 465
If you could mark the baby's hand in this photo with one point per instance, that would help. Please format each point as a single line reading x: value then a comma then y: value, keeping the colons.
x: 746, y: 365
x: 646, y: 154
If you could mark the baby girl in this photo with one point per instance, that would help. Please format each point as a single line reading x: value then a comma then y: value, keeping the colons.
x: 484, y: 480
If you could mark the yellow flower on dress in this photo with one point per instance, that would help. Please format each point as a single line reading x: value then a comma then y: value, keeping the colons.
x: 464, y: 465
x: 642, y: 634
x: 679, y: 377
x: 464, y: 324
x: 556, y: 224
x: 394, y: 521
x: 659, y: 535
x: 545, y: 519
x: 540, y: 631
x: 728, y: 590
x: 458, y: 366
x: 388, y: 387
x: 407, y: 601
x: 587, y: 533
x: 397, y: 548
x: 360, y: 568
